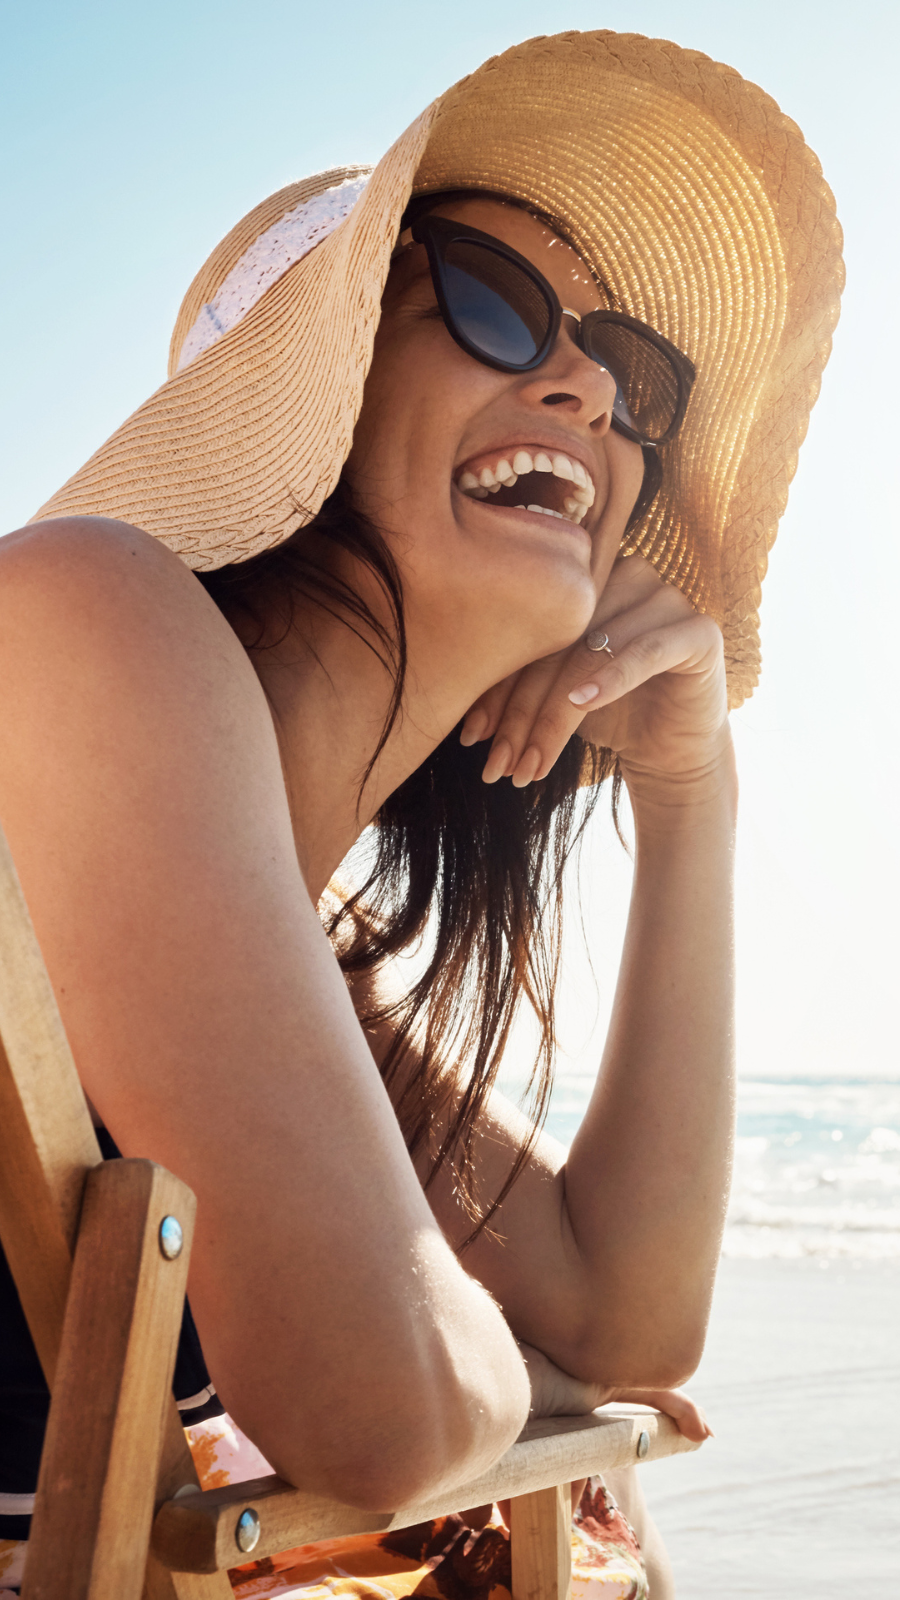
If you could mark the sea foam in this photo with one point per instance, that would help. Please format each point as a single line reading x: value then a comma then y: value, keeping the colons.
x: 817, y: 1166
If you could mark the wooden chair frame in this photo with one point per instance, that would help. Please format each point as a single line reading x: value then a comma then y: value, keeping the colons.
x: 119, y: 1513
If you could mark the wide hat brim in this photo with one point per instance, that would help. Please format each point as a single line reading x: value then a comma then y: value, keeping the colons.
x: 682, y: 185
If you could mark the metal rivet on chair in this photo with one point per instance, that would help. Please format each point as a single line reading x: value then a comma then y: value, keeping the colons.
x: 643, y: 1446
x: 171, y: 1238
x: 247, y: 1531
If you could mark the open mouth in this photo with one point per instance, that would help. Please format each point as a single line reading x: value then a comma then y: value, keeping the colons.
x: 532, y: 480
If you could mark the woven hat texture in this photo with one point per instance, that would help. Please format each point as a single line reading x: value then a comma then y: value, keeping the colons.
x: 686, y: 190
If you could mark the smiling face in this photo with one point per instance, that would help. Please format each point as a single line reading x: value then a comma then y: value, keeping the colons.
x: 504, y: 496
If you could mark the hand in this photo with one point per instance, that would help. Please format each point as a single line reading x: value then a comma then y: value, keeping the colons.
x: 555, y: 1393
x: 659, y: 702
x: 689, y: 1417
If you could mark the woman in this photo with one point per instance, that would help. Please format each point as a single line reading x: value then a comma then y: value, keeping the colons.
x: 391, y: 1269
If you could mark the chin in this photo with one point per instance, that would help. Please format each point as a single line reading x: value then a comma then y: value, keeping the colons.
x: 518, y: 616
x: 516, y: 585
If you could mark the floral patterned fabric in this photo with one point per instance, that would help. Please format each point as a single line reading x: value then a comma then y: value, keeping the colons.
x: 440, y: 1560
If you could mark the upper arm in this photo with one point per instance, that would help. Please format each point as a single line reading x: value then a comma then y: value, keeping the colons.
x: 141, y: 791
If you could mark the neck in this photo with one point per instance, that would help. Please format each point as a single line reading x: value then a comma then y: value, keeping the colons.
x: 330, y: 698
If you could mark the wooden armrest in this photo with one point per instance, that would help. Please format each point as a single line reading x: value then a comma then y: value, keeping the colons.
x: 197, y: 1531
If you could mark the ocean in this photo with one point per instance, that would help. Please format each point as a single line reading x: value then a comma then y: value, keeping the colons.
x: 817, y: 1166
x: 797, y: 1494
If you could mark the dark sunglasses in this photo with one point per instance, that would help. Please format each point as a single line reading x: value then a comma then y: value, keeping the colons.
x: 502, y: 311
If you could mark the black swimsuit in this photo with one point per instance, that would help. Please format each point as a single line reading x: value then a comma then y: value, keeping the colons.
x: 25, y: 1399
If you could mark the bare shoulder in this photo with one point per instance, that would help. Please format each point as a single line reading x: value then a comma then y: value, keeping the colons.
x: 113, y: 655
x: 140, y: 778
x: 105, y: 584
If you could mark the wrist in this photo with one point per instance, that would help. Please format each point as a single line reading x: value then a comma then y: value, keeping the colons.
x: 676, y: 799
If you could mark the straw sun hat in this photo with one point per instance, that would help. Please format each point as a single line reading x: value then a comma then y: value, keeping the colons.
x: 683, y: 187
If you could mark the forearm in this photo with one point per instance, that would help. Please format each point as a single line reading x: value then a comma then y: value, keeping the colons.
x: 647, y: 1177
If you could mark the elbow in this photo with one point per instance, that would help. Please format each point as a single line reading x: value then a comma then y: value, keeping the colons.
x: 404, y: 1464
x: 393, y: 1455
x: 669, y: 1372
x: 639, y: 1357
x: 673, y: 1362
x: 396, y: 1472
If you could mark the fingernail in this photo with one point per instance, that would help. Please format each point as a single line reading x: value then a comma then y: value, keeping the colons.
x: 498, y: 761
x: 526, y: 771
x: 474, y: 728
x: 584, y: 693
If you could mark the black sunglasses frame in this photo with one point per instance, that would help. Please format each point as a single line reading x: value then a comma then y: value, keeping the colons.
x: 436, y: 233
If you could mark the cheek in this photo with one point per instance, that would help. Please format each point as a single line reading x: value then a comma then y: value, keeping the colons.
x: 624, y: 464
x: 625, y: 467
x: 420, y: 398
x: 401, y: 407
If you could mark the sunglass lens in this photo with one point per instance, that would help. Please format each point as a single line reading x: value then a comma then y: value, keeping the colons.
x: 648, y: 387
x: 495, y: 306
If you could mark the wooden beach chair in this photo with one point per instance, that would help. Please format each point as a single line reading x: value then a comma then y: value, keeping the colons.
x: 99, y: 1252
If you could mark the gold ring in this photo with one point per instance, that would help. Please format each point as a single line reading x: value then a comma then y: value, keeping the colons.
x: 598, y: 640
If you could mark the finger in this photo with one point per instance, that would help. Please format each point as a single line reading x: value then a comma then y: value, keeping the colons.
x: 561, y: 714
x: 509, y: 710
x: 540, y: 719
x: 482, y: 718
x: 523, y: 704
x: 497, y: 761
x: 678, y: 647
x: 690, y: 1418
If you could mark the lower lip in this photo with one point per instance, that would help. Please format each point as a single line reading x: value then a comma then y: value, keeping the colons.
x: 536, y: 519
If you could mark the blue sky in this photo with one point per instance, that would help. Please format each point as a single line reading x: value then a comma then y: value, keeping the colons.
x: 134, y: 137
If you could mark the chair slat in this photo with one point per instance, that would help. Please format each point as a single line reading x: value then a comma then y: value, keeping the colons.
x: 48, y: 1141
x: 197, y: 1532
x: 161, y: 1584
x: 176, y: 1472
x: 95, y: 1496
x: 540, y: 1542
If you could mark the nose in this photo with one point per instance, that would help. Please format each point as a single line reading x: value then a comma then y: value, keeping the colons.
x: 570, y: 379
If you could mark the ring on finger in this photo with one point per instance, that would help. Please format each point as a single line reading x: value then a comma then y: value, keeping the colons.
x: 597, y: 640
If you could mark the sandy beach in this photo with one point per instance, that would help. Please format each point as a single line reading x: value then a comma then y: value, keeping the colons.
x: 797, y: 1495
x: 796, y: 1498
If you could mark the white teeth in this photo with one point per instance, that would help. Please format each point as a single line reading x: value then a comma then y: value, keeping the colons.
x: 575, y: 511
x: 545, y: 510
x: 506, y: 473
x: 489, y: 480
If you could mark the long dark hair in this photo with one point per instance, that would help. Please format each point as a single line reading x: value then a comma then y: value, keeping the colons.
x: 474, y: 868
